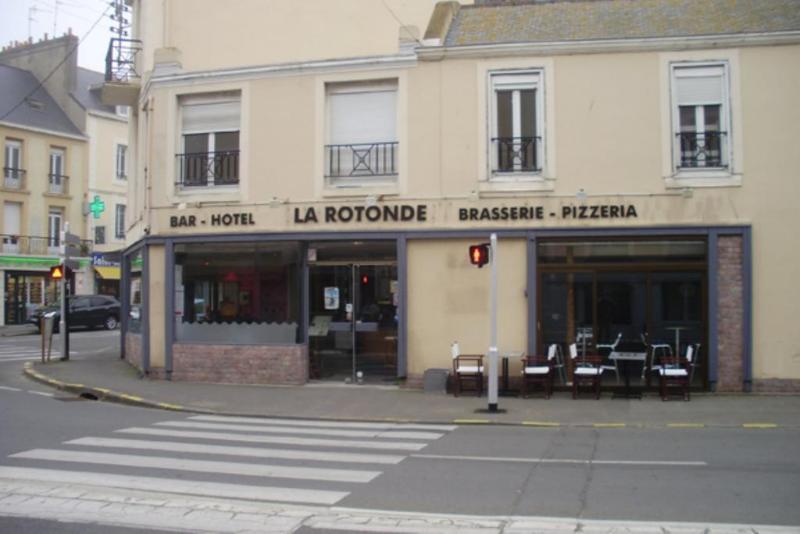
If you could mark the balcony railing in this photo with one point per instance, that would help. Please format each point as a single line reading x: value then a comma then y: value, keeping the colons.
x: 702, y: 149
x: 14, y: 178
x: 121, y: 60
x: 361, y: 160
x: 517, y: 154
x: 205, y: 169
x: 38, y: 245
x: 58, y: 184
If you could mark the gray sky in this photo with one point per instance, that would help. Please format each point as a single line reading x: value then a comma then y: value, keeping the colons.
x: 76, y: 14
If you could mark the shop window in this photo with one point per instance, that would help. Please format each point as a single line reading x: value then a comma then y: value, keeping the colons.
x: 210, y: 141
x: 361, y: 136
x: 244, y: 293
x: 700, y: 116
x: 517, y: 142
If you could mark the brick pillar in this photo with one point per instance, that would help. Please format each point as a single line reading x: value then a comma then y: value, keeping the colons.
x: 730, y: 314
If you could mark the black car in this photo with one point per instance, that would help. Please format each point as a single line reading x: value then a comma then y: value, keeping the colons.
x: 90, y: 311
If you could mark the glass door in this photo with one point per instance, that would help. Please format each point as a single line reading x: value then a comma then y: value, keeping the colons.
x: 353, y: 322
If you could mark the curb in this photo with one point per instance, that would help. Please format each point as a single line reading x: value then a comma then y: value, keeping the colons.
x: 108, y: 395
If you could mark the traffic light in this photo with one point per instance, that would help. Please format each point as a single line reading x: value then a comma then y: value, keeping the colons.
x: 479, y: 254
x: 57, y: 272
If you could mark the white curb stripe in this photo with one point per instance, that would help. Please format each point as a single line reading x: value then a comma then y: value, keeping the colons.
x: 278, y: 440
x: 316, y: 456
x: 201, y: 466
x: 323, y: 424
x: 169, y: 485
x: 289, y: 430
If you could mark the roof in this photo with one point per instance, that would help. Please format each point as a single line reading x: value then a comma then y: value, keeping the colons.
x: 38, y: 111
x: 578, y: 20
x: 87, y: 97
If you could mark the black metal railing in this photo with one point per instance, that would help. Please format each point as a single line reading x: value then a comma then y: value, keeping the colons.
x: 121, y: 59
x: 14, y: 178
x: 58, y: 184
x: 363, y: 159
x: 203, y: 169
x: 702, y: 149
x: 517, y: 154
x: 39, y: 245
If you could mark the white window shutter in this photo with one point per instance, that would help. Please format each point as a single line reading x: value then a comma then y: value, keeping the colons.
x: 12, y: 217
x: 699, y: 86
x: 210, y: 117
x: 362, y: 117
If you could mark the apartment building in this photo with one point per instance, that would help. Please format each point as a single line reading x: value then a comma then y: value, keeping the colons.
x: 304, y: 186
x: 65, y: 161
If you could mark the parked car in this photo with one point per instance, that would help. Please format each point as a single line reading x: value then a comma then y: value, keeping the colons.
x: 90, y: 311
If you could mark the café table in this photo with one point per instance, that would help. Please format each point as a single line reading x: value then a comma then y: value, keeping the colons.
x: 624, y: 359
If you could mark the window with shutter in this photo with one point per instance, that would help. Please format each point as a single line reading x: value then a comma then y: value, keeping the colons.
x: 210, y: 135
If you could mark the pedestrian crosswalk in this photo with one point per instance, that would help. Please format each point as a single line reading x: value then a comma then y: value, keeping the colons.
x: 265, y: 459
x: 10, y: 353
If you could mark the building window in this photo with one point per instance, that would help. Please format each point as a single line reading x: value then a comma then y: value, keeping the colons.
x: 122, y: 111
x: 516, y: 123
x: 12, y: 226
x: 700, y: 116
x: 210, y: 141
x: 54, y: 216
x: 99, y: 235
x: 119, y: 221
x: 122, y: 172
x: 13, y: 175
x: 57, y: 181
x: 361, y: 132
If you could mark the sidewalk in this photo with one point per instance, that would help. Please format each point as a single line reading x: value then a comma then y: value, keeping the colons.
x: 106, y: 377
x: 17, y: 330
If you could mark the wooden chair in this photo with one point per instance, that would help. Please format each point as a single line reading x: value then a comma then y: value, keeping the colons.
x: 539, y: 370
x: 467, y: 368
x: 675, y: 371
x: 586, y: 369
x: 607, y: 349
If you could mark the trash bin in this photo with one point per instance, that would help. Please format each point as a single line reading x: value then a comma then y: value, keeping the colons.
x: 435, y: 381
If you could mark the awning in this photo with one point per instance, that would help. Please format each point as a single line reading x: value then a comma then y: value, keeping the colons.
x: 108, y: 273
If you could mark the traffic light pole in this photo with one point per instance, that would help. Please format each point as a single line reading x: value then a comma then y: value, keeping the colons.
x: 493, y: 357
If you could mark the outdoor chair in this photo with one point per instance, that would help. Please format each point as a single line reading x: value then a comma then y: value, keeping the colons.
x: 655, y: 352
x: 675, y: 371
x: 467, y: 369
x: 585, y: 370
x: 539, y: 370
x: 610, y: 348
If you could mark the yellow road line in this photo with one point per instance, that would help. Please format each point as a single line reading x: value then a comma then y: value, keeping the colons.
x: 130, y: 397
x: 609, y: 425
x: 760, y: 425
x: 170, y: 406
x: 540, y: 423
x: 471, y: 421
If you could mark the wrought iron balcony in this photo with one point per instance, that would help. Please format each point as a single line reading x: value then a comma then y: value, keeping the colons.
x: 58, y: 184
x: 516, y: 154
x: 30, y: 245
x: 361, y: 160
x: 14, y: 178
x: 702, y: 149
x: 203, y: 169
x: 121, y: 60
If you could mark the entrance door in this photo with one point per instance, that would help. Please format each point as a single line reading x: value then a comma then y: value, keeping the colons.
x: 15, y: 298
x: 353, y: 322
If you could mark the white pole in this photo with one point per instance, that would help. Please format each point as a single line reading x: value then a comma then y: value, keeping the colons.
x: 62, y: 323
x: 493, y: 326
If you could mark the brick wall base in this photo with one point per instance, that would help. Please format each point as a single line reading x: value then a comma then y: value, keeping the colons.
x: 241, y: 364
x: 133, y: 350
x: 776, y: 385
x: 730, y: 314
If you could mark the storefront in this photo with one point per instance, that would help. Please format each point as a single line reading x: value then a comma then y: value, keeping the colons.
x: 24, y: 291
x: 383, y: 306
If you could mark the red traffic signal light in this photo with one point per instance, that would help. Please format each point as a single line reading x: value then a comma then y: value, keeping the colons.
x: 57, y: 272
x: 479, y: 254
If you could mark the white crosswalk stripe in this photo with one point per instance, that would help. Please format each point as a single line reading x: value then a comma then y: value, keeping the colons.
x: 11, y: 354
x: 259, y: 459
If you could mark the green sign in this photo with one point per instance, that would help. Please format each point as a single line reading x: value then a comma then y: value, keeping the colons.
x: 97, y: 206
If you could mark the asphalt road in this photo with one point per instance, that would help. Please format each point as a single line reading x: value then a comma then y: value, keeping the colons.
x: 715, y: 475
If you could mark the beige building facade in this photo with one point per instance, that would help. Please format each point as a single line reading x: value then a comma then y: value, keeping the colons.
x: 302, y: 208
